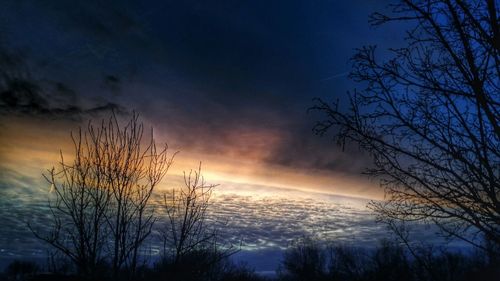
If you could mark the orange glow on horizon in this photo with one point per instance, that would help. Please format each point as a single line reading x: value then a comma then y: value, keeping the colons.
x: 32, y: 147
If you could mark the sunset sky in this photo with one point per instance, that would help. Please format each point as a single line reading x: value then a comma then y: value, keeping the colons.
x: 227, y: 83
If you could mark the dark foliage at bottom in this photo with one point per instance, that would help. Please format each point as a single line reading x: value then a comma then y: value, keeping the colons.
x: 304, y: 260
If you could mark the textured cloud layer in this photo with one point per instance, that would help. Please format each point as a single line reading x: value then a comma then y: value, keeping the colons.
x: 264, y: 218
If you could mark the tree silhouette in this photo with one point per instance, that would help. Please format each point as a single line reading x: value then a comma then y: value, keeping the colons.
x: 304, y: 260
x: 192, y: 246
x: 189, y: 229
x: 429, y: 117
x: 99, y: 202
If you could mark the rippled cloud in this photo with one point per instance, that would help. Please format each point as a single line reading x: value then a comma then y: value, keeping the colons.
x: 264, y: 219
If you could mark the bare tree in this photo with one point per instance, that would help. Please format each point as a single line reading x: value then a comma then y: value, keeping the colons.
x: 188, y: 227
x: 100, y: 198
x: 78, y: 204
x: 132, y: 172
x: 429, y: 117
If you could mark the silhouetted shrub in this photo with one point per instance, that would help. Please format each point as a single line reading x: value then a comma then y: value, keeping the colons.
x: 21, y: 270
x: 239, y: 272
x: 56, y: 277
x: 201, y: 265
x: 197, y: 265
x: 304, y: 260
x: 346, y: 263
x: 390, y: 263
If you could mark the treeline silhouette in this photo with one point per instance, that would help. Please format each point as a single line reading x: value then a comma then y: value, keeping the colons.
x: 305, y: 259
x: 197, y: 265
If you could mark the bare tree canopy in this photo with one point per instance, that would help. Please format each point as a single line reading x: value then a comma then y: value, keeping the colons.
x: 189, y: 228
x: 99, y: 200
x: 429, y: 116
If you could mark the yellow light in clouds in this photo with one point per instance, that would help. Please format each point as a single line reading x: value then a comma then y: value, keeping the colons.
x: 32, y: 146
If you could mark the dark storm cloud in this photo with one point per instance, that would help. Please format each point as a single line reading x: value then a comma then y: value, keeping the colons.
x: 259, y: 66
x: 238, y: 49
x: 62, y: 61
x: 202, y: 71
x: 302, y: 150
x: 21, y: 93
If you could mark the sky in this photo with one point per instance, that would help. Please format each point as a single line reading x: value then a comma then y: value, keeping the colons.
x: 227, y: 83
x: 231, y: 80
